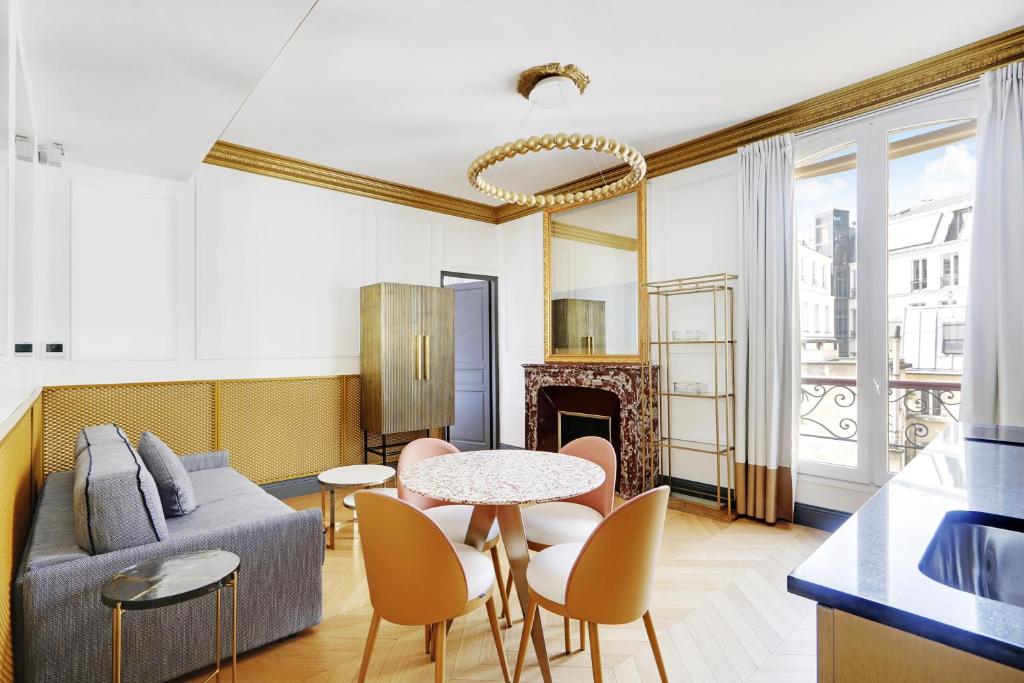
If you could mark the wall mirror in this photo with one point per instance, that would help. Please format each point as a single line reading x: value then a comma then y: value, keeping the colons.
x: 594, y: 266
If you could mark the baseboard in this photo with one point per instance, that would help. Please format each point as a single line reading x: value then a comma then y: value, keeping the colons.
x: 509, y: 447
x: 698, y: 489
x: 817, y: 517
x: 292, y: 487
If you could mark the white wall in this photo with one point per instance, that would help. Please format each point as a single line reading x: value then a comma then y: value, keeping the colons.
x: 227, y: 275
x: 692, y: 229
x: 520, y: 318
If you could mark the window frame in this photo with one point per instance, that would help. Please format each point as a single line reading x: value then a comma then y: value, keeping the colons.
x: 870, y: 134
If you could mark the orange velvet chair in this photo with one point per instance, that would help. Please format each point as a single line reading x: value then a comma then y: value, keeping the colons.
x: 606, y: 580
x: 417, y: 577
x: 452, y: 519
x: 573, y: 520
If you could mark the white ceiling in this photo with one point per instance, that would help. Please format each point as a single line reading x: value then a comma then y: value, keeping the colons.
x: 413, y: 92
x: 147, y: 85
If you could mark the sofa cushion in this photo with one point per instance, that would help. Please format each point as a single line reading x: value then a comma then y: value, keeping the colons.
x: 115, y: 500
x: 172, y: 481
x: 226, y: 498
x: 97, y: 434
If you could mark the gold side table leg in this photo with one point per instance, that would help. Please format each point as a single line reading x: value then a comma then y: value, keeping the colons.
x: 330, y: 532
x: 116, y: 645
x: 234, y: 626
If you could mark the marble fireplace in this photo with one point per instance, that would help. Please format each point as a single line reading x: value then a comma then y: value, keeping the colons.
x: 615, y: 391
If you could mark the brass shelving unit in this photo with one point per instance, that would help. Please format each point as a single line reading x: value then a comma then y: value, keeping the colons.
x: 719, y: 292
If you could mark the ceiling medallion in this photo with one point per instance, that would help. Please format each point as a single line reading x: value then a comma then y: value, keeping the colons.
x: 552, y: 86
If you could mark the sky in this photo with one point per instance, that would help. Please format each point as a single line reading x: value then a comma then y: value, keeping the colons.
x: 933, y: 174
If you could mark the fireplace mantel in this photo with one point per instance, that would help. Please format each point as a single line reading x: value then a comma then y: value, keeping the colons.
x: 631, y: 383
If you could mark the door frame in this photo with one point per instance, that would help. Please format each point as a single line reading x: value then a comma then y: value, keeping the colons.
x: 495, y: 406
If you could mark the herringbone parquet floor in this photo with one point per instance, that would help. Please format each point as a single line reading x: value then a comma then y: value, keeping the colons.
x: 721, y: 610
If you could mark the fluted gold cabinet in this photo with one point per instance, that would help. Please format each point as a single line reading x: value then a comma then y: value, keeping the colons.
x: 578, y: 326
x: 407, y: 357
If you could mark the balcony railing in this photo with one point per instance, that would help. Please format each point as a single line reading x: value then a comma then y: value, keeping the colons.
x: 918, y: 412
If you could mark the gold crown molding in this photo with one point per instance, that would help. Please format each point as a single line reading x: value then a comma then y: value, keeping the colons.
x: 920, y: 78
x: 529, y: 79
x: 588, y: 236
x: 230, y: 155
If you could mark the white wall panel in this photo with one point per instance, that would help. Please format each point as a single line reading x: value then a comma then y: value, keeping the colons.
x: 693, y: 230
x: 403, y: 249
x: 122, y: 274
x: 277, y: 273
x: 520, y: 318
x: 466, y: 248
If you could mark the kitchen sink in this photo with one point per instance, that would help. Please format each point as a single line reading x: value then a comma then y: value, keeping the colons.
x: 978, y: 553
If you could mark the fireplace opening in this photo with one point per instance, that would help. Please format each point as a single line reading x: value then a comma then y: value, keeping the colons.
x: 573, y: 425
x: 565, y: 413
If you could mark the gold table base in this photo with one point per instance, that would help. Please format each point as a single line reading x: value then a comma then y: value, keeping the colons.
x: 233, y: 584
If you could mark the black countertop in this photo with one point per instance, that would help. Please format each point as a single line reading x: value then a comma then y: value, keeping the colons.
x: 869, y: 566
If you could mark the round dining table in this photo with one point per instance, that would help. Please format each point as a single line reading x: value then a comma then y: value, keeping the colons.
x: 497, y: 483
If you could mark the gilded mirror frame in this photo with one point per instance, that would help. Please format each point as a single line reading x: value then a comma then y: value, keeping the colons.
x: 642, y: 313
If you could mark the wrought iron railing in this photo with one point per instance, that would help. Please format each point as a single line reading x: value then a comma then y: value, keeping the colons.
x: 918, y: 411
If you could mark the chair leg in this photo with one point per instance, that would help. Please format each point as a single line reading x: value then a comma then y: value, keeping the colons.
x: 595, y: 652
x: 506, y: 613
x: 653, y: 637
x: 568, y: 638
x: 439, y: 651
x: 531, y: 614
x: 368, y: 649
x: 583, y: 635
x: 426, y: 639
x: 492, y: 616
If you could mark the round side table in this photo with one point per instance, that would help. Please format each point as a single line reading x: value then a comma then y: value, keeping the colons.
x: 170, y: 580
x: 348, y: 477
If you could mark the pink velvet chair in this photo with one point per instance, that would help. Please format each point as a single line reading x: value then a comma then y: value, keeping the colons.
x: 452, y: 519
x: 573, y: 520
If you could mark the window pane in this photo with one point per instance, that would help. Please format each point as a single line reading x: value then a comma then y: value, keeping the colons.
x: 826, y: 223
x: 931, y: 200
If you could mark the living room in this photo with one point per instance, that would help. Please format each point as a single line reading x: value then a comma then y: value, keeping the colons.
x: 348, y: 341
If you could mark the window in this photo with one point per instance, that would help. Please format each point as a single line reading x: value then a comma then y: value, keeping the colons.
x: 920, y: 277
x: 951, y: 270
x: 880, y: 197
x: 957, y: 223
x: 953, y: 338
x: 931, y: 187
x: 826, y: 203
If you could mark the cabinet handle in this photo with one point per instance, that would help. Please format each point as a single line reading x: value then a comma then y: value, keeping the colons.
x: 426, y: 356
x: 419, y: 356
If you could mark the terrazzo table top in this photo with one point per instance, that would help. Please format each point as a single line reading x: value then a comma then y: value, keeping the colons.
x: 504, y: 477
x: 169, y: 580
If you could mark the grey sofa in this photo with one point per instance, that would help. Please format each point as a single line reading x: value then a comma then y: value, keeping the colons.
x: 63, y: 631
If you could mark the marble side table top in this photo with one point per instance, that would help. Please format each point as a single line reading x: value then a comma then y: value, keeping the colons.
x: 169, y: 580
x: 502, y: 477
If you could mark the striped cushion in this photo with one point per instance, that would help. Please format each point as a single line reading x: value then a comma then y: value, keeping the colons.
x: 115, y: 500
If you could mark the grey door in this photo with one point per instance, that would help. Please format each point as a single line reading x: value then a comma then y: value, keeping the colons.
x: 472, y: 429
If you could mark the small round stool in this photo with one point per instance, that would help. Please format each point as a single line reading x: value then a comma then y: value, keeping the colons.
x: 349, y: 476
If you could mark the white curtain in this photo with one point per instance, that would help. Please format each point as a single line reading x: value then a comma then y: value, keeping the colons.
x: 993, y: 380
x: 769, y: 396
